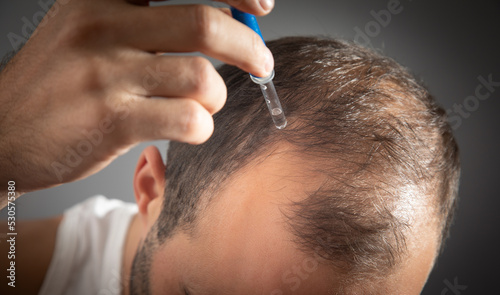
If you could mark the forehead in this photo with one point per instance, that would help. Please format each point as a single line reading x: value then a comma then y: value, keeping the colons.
x: 241, y: 243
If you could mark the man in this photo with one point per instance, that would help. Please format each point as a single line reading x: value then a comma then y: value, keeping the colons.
x: 354, y: 196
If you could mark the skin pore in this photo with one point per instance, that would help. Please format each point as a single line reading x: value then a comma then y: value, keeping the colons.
x: 240, y: 244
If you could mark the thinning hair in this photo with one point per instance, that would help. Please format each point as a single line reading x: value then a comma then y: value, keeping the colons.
x: 362, y: 120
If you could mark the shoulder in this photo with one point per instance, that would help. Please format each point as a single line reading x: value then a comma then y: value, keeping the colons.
x: 88, y: 246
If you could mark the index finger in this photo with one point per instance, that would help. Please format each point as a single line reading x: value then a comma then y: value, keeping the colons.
x: 195, y: 28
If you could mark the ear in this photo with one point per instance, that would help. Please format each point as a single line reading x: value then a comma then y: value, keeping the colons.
x: 149, y: 182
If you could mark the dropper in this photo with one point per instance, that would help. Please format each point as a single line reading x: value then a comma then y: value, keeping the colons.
x: 266, y: 83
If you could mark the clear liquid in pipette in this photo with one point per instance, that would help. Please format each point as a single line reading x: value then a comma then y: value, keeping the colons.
x: 273, y: 104
x: 276, y: 112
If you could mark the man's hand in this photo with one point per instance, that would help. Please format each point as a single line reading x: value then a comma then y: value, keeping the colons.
x: 79, y: 92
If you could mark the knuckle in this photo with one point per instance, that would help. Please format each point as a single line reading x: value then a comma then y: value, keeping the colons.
x: 90, y: 74
x: 208, y: 86
x: 206, y: 25
x: 203, y: 71
x: 192, y: 121
x: 85, y: 25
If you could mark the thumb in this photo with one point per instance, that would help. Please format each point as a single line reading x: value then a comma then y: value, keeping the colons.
x: 257, y: 7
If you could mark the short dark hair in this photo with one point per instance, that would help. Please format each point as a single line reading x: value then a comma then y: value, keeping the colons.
x: 368, y: 125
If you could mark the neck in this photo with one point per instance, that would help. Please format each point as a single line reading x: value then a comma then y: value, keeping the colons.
x: 130, y: 248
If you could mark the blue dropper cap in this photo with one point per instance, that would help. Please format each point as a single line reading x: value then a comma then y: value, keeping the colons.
x: 265, y: 83
x: 247, y: 19
x: 251, y: 21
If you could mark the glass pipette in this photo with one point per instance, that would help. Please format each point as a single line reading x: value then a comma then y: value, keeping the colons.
x: 273, y: 102
x: 266, y: 83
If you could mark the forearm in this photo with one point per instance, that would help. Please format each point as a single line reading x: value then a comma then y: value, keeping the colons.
x: 7, y: 156
x: 5, y: 168
x: 8, y: 189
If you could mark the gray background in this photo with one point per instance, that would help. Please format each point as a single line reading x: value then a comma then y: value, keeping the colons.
x: 449, y: 44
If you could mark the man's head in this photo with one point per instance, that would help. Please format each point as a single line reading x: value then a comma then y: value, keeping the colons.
x: 355, y: 195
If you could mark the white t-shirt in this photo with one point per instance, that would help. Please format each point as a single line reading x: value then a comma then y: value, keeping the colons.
x: 89, y: 245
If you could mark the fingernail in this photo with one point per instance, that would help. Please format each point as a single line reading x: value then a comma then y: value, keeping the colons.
x: 267, y: 4
x: 269, y: 64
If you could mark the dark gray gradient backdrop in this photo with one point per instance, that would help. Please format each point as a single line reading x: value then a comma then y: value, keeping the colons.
x: 449, y: 44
